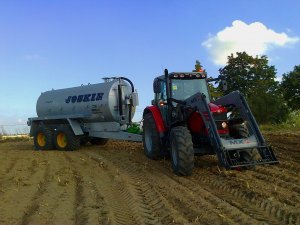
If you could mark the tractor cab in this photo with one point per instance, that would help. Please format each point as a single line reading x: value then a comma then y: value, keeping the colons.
x: 173, y: 90
x: 179, y: 86
x: 172, y: 93
x: 184, y: 85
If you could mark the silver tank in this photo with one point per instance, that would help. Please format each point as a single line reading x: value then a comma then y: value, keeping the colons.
x: 92, y: 103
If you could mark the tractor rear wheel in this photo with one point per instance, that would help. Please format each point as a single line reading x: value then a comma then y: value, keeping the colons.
x: 151, y: 139
x: 65, y: 139
x: 43, y: 138
x: 182, y: 151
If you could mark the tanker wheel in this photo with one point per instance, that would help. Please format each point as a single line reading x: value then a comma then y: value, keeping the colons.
x: 43, y: 138
x: 65, y: 139
x: 151, y: 139
x: 241, y: 131
x: 182, y: 151
x: 98, y: 141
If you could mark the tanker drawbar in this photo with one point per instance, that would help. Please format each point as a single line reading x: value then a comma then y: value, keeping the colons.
x: 91, y: 113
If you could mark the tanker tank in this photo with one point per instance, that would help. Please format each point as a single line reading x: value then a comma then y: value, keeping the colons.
x: 93, y: 102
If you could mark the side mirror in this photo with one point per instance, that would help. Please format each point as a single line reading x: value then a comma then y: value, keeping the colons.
x: 156, y: 86
x: 224, y: 85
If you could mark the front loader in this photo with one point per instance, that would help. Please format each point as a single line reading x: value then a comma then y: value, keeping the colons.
x: 183, y: 122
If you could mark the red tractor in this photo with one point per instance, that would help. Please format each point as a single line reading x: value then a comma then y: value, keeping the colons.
x: 183, y: 122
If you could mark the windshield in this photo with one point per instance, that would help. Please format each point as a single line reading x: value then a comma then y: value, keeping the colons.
x: 182, y: 89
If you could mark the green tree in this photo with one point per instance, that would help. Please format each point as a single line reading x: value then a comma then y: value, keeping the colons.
x: 255, y: 79
x: 213, y: 91
x: 290, y: 87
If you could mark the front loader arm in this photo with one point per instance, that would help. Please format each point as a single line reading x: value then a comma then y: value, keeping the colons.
x: 222, y: 147
x: 199, y: 103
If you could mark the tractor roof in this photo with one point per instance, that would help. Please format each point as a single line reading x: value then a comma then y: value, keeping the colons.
x: 185, y: 75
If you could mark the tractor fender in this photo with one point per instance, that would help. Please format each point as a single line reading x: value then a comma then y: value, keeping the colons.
x: 160, y: 126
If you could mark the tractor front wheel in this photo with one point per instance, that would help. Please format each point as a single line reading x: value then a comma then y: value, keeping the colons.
x: 151, y: 139
x: 182, y: 151
x: 241, y: 131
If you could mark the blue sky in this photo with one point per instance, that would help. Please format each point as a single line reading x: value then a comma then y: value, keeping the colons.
x: 58, y: 44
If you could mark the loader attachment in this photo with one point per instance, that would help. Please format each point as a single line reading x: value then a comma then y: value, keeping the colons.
x: 234, y: 152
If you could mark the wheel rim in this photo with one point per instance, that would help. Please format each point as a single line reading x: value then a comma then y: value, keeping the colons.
x: 148, y: 138
x: 41, y: 139
x: 174, y: 153
x: 61, y: 140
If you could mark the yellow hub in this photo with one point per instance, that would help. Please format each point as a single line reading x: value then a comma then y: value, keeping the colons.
x: 61, y: 140
x: 41, y: 139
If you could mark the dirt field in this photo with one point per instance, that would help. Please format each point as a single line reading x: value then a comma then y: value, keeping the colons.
x: 117, y: 184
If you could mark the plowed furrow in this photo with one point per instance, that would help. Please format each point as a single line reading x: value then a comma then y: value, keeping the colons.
x: 120, y: 211
x: 224, y: 213
x: 267, y: 186
x: 179, y: 208
x: 17, y: 174
x: 152, y: 205
x: 289, y: 159
x: 16, y: 165
x: 291, y: 167
x: 111, y: 188
x: 7, y: 174
x: 239, y: 203
x: 11, y: 165
x: 230, y: 206
x: 33, y: 208
x: 80, y: 215
x: 285, y: 150
x: 56, y: 204
x: 274, y: 209
x: 281, y: 173
x: 285, y: 192
x: 135, y: 192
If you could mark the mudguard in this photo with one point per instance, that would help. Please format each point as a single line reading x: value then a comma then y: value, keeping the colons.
x: 160, y: 126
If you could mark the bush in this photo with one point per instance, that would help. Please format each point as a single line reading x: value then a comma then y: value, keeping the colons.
x: 291, y: 124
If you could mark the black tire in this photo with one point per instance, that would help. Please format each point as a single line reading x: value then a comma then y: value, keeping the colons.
x: 151, y: 139
x: 43, y: 138
x: 182, y: 151
x: 65, y: 139
x: 238, y: 131
x: 98, y: 141
x: 241, y: 131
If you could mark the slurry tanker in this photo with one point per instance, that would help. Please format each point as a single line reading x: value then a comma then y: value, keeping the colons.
x: 91, y: 113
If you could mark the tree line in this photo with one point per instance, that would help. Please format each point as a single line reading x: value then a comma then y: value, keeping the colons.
x: 270, y: 101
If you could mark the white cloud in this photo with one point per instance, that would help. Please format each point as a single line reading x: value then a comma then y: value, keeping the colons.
x: 254, y: 38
